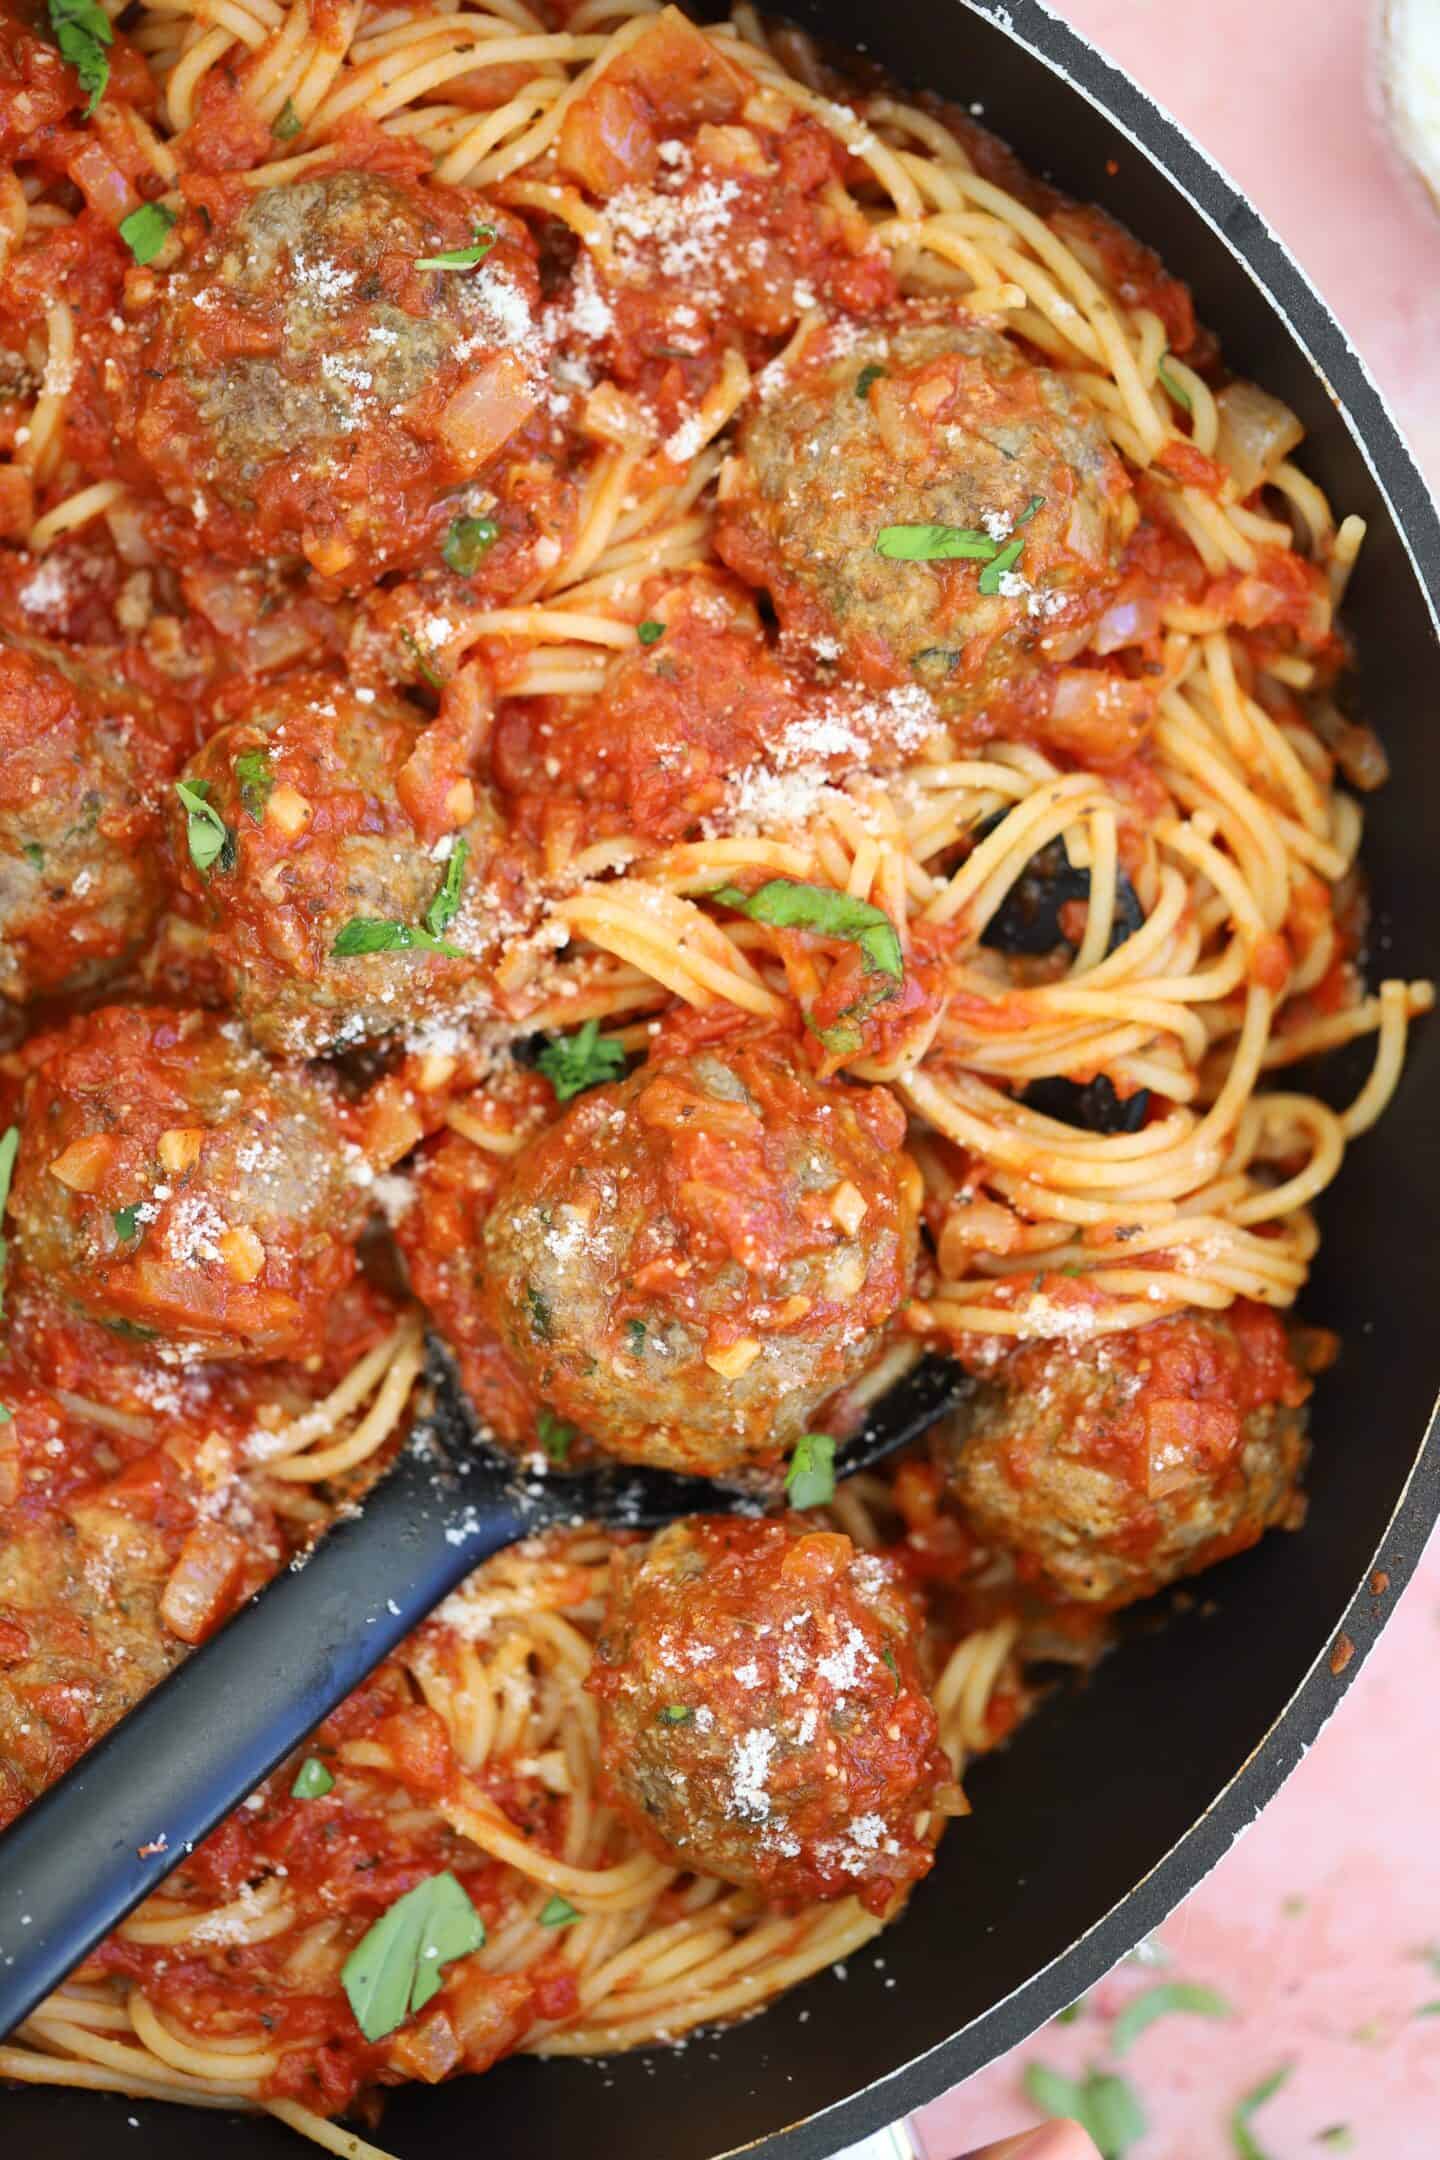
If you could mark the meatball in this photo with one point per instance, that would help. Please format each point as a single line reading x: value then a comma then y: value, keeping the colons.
x: 341, y: 807
x: 310, y: 388
x: 926, y: 422
x: 1113, y: 1469
x: 690, y: 1261
x: 171, y: 1183
x: 84, y: 762
x: 762, y: 1713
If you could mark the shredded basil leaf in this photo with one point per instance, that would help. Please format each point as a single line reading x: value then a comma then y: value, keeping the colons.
x: 933, y: 543
x: 364, y: 934
x: 146, y: 230
x: 676, y: 1713
x: 287, y: 122
x: 573, y: 1063
x: 555, y: 1436
x: 6, y: 1414
x: 993, y: 571
x: 786, y: 904
x: 1244, y: 2144
x: 1172, y: 386
x: 462, y: 258
x: 1103, y: 2104
x: 256, y: 776
x: 467, y: 540
x: 1072, y: 2012
x: 82, y: 31
x: 870, y: 373
x: 210, y: 839
x: 126, y: 1224
x: 650, y: 633
x: 395, y: 1968
x: 312, y: 1780
x: 558, y: 1912
x: 1163, y: 2000
x: 446, y: 903
x: 810, y: 1478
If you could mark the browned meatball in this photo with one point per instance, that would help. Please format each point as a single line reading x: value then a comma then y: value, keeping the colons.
x: 692, y: 1260
x: 171, y: 1183
x: 342, y: 808
x: 85, y: 759
x: 1113, y: 1468
x: 923, y: 423
x: 328, y: 367
x: 763, y: 1716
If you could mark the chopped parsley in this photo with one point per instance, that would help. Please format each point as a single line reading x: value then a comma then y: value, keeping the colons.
x: 287, y: 122
x: 1244, y: 2144
x: 870, y: 373
x: 650, y: 633
x: 636, y: 1331
x: 786, y: 904
x: 6, y: 1414
x: 394, y: 1969
x: 676, y: 1713
x: 210, y: 839
x: 82, y: 31
x: 1164, y: 2000
x: 34, y: 854
x: 146, y: 230
x: 365, y: 934
x: 1103, y: 2104
x: 1072, y: 2012
x: 312, y: 1780
x: 558, y: 1912
x: 462, y: 258
x: 1338, y: 2136
x: 9, y: 1149
x: 467, y: 540
x: 810, y: 1478
x: 256, y: 776
x: 555, y: 1436
x: 586, y: 1059
x: 1172, y: 386
x: 127, y: 1224
x: 888, y: 1657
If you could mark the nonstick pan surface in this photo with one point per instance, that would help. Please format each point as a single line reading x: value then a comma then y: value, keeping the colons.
x: 1119, y: 1796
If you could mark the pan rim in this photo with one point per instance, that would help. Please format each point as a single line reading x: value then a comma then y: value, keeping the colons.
x: 1287, y: 292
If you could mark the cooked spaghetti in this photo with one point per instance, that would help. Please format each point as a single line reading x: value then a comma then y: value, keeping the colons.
x: 633, y: 660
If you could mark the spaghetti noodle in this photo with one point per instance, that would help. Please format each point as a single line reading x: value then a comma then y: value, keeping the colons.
x: 691, y: 275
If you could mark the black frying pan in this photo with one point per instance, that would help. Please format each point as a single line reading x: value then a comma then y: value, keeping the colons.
x: 1120, y: 1795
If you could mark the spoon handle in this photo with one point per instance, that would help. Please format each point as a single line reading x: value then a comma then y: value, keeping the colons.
x: 101, y: 1839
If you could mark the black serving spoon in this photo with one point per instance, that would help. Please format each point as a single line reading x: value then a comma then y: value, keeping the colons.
x: 101, y: 1839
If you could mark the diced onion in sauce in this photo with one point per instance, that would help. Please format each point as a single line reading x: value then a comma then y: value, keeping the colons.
x: 1256, y: 432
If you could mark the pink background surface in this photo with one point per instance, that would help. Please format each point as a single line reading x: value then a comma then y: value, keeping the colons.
x: 1316, y: 1926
